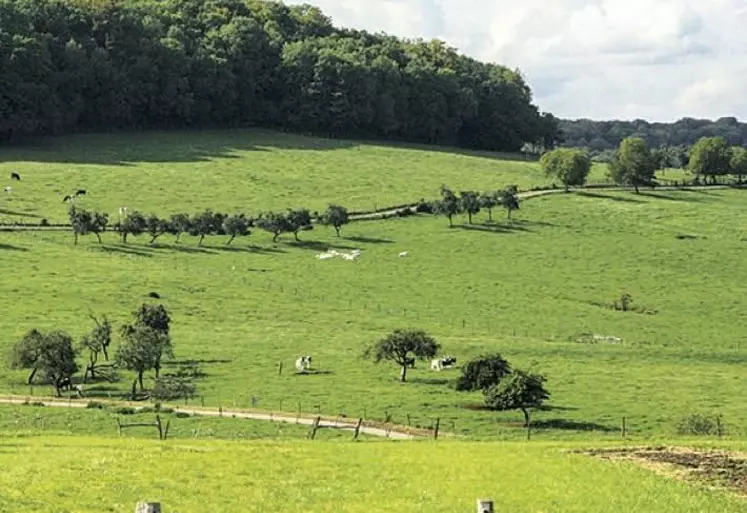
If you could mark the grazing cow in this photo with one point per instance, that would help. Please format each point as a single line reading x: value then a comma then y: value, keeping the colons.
x: 443, y: 363
x: 79, y: 390
x: 15, y: 176
x: 154, y: 295
x: 9, y: 189
x: 409, y: 362
x: 303, y: 363
x: 66, y: 199
x: 81, y: 192
x: 66, y: 384
x: 404, y: 254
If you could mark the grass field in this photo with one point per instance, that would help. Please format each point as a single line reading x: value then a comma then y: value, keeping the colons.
x: 247, y: 170
x: 524, y: 289
x: 94, y: 475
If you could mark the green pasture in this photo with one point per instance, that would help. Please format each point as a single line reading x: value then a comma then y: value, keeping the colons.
x: 527, y: 289
x: 241, y: 171
x: 99, y: 474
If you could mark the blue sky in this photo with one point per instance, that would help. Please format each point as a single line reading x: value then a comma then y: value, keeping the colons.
x: 654, y: 59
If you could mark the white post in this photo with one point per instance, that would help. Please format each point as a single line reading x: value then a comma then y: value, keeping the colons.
x: 485, y: 506
x: 148, y: 507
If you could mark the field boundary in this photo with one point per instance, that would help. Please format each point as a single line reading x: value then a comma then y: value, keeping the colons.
x: 371, y: 428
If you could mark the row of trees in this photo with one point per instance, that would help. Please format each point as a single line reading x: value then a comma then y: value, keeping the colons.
x: 52, y: 355
x: 503, y: 388
x: 205, y: 223
x: 73, y: 65
x: 635, y: 165
x: 472, y: 202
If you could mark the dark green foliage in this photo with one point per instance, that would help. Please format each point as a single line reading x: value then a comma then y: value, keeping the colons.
x: 84, y: 222
x: 483, y: 373
x: 275, y: 223
x: 50, y: 354
x: 206, y: 223
x: 488, y: 201
x: 520, y: 390
x: 401, y: 346
x: 335, y: 216
x: 633, y: 164
x: 132, y: 224
x: 70, y: 66
x: 569, y: 165
x: 509, y: 199
x: 298, y: 220
x: 236, y: 226
x: 699, y: 424
x: 96, y: 343
x: 156, y: 227
x: 449, y: 205
x: 739, y: 162
x: 179, y: 224
x: 140, y: 350
x: 469, y: 203
x: 168, y: 388
x: 710, y: 157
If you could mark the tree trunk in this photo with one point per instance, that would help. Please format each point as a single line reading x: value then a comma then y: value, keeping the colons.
x: 509, y: 213
x: 469, y: 217
x: 75, y: 234
x: 153, y: 238
x: 177, y: 237
x: 31, y: 376
x: 451, y: 223
x: 230, y: 240
x: 124, y: 237
x: 202, y: 237
x: 98, y: 236
x: 134, y: 389
x: 106, y: 354
x: 295, y: 235
x: 337, y: 229
x: 403, y: 374
x: 490, y: 215
x: 275, y: 237
x: 140, y: 380
x: 526, y: 416
x: 635, y: 185
x: 157, y: 367
x: 57, y: 387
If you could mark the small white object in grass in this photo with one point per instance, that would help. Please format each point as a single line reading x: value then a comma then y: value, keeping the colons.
x: 9, y: 189
x: 404, y: 254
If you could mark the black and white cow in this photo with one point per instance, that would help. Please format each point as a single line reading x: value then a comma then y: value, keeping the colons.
x: 303, y: 363
x: 443, y: 363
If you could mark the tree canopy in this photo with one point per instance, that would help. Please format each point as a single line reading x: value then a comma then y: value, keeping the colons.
x: 70, y: 66
x: 520, y: 390
x: 633, y: 164
x: 482, y: 373
x: 710, y: 157
x: 399, y: 345
x: 569, y: 165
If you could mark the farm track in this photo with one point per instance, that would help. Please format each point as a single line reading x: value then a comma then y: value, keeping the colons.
x: 383, y: 214
x: 394, y: 432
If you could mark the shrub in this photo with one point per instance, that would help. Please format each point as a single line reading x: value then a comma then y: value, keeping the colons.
x: 182, y: 415
x: 424, y: 207
x: 125, y: 410
x: 44, y: 222
x: 699, y: 424
x: 95, y: 405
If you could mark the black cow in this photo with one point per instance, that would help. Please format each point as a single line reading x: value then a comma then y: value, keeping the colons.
x: 66, y: 384
x: 409, y: 362
x: 66, y: 199
x: 154, y: 295
x: 15, y: 176
x: 81, y: 192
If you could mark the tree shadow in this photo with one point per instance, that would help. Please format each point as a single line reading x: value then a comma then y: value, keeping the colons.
x: 127, y: 250
x: 571, y: 425
x: 314, y: 373
x: 493, y: 228
x: 430, y: 381
x: 126, y: 148
x: 670, y: 197
x: 19, y: 214
x: 177, y: 248
x: 369, y: 240
x: 548, y: 407
x: 10, y: 247
x: 171, y: 363
x: 317, y: 245
x: 596, y: 195
x: 253, y: 248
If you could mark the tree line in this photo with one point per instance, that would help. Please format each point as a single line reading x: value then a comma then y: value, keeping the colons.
x: 634, y: 164
x: 203, y: 224
x: 600, y: 136
x: 472, y: 202
x: 144, y: 343
x: 69, y: 65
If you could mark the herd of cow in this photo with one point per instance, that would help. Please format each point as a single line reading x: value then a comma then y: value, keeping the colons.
x: 303, y: 363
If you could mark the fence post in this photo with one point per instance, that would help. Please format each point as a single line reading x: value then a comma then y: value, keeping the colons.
x: 148, y: 507
x: 314, y: 427
x: 358, y: 429
x: 485, y: 506
x: 280, y: 368
x: 435, y: 432
x: 718, y: 426
x: 623, y: 428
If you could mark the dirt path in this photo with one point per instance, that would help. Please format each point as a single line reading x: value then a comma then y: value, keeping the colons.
x: 393, y: 432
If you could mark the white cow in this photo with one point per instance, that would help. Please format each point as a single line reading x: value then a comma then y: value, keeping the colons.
x: 404, y: 254
x: 303, y: 363
x: 9, y: 189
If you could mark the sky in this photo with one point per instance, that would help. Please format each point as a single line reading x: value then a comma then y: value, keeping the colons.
x: 659, y: 60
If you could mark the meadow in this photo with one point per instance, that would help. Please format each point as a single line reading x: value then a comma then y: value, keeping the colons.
x: 242, y: 171
x: 99, y: 474
x: 527, y: 289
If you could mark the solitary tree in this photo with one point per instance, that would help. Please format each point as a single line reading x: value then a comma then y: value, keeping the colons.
x: 236, y: 226
x: 401, y: 346
x: 488, y: 201
x: 157, y: 318
x: 569, y: 165
x: 96, y: 343
x: 710, y: 156
x: 335, y: 216
x: 298, y: 220
x: 274, y: 223
x: 633, y: 164
x: 448, y: 205
x: 509, y: 198
x: 50, y: 354
x: 739, y: 162
x: 482, y: 373
x: 179, y: 224
x: 156, y: 227
x: 139, y: 351
x: 469, y: 202
x: 519, y: 391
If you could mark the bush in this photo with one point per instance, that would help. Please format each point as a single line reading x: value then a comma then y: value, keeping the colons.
x: 125, y: 410
x: 182, y: 415
x: 95, y: 405
x: 44, y: 222
x: 424, y: 207
x: 699, y: 425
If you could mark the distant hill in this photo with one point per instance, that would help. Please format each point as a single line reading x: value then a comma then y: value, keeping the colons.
x: 605, y: 135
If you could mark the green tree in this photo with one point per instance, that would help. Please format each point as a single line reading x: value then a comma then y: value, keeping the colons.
x: 273, y: 222
x: 738, y: 164
x: 81, y: 221
x: 236, y: 226
x: 401, y: 346
x: 335, y: 216
x: 482, y: 373
x: 27, y: 352
x: 520, y: 390
x: 96, y: 343
x: 488, y: 201
x: 633, y: 164
x: 509, y: 199
x: 710, y: 157
x: 99, y: 222
x: 49, y: 354
x: 179, y: 224
x: 157, y: 318
x: 139, y: 351
x: 298, y: 220
x: 156, y: 227
x: 132, y: 224
x: 569, y: 165
x: 206, y: 223
x: 449, y: 204
x: 469, y: 202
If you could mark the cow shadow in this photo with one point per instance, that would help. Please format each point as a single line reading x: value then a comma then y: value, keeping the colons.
x: 572, y: 425
x: 317, y: 245
x: 10, y: 247
x: 430, y: 381
x: 314, y: 373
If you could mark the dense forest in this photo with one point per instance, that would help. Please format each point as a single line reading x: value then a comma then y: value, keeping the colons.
x: 601, y: 136
x: 81, y: 65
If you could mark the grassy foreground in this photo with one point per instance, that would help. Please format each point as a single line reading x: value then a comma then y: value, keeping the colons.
x: 94, y: 475
x: 242, y: 170
x: 527, y: 289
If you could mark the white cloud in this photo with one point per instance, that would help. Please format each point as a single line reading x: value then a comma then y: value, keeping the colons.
x: 656, y: 59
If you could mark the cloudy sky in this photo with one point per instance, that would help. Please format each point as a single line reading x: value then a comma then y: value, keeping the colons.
x: 653, y: 59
